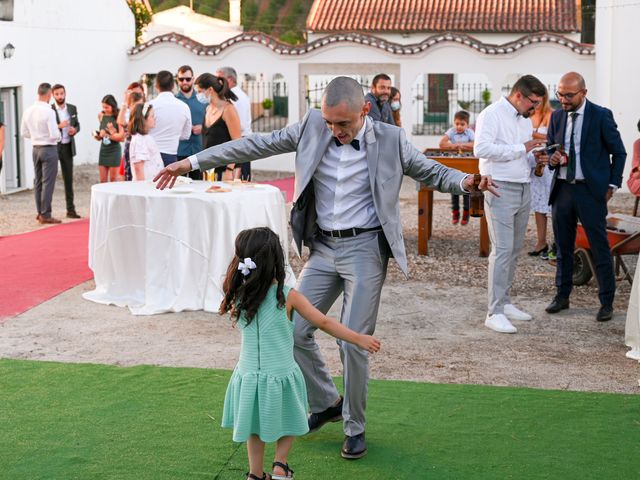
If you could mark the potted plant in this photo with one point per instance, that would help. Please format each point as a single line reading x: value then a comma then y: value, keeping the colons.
x: 267, y: 104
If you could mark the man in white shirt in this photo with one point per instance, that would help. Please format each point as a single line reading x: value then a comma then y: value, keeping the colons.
x: 173, y: 118
x: 503, y: 144
x: 243, y: 107
x: 39, y: 125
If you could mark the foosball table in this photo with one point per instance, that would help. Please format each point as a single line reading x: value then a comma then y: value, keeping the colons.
x: 465, y: 162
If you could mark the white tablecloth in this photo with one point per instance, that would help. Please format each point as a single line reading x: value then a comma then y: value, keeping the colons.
x: 168, y: 251
x: 632, y: 327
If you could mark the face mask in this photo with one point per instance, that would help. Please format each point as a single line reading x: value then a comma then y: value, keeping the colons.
x: 395, y: 106
x: 203, y: 98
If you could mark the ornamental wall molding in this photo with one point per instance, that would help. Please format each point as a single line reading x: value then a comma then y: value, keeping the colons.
x: 369, y: 40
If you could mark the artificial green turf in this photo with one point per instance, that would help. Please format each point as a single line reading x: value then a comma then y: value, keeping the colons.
x: 79, y: 421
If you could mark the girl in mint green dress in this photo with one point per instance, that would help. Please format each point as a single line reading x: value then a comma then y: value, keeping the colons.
x: 266, y: 400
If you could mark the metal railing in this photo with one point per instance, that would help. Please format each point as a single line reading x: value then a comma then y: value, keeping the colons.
x: 434, y: 110
x: 269, y: 104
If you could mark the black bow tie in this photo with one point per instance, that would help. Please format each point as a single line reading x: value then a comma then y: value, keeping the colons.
x: 354, y: 143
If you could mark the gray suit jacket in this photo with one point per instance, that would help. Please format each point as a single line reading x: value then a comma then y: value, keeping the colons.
x: 389, y: 156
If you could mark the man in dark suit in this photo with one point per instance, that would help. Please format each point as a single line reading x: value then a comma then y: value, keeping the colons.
x: 67, y: 120
x: 587, y: 172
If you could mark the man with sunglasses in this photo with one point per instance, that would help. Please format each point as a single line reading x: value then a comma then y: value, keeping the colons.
x: 503, y: 144
x: 587, y: 172
x: 186, y: 93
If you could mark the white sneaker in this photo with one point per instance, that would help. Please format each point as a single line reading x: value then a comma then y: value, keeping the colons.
x: 514, y: 314
x: 499, y: 323
x: 633, y: 354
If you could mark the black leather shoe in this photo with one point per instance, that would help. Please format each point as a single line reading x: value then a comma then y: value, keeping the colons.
x: 72, y: 215
x: 557, y: 304
x: 605, y: 313
x: 331, y: 414
x: 354, y: 447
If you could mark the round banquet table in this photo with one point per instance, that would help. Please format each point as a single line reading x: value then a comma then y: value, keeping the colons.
x: 167, y: 251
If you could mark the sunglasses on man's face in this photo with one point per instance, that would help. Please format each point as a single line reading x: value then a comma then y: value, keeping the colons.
x: 185, y: 79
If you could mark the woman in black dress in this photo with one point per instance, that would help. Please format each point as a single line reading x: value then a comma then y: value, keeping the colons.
x: 221, y: 121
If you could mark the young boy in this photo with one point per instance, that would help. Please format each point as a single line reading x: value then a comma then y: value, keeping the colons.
x: 462, y: 137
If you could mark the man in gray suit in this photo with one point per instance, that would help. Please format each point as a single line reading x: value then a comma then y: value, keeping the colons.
x: 349, y: 171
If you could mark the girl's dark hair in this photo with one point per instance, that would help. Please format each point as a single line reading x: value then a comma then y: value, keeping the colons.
x: 137, y: 120
x: 111, y: 101
x: 243, y: 295
x: 219, y: 84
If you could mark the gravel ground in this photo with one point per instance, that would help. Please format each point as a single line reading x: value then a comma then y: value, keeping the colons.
x: 431, y: 324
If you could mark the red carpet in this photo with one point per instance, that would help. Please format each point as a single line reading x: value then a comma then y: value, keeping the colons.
x: 39, y: 265
x: 284, y: 184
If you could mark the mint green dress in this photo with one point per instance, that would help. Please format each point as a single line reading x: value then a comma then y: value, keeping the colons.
x: 266, y: 395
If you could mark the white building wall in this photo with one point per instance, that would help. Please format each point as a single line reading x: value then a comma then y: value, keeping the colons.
x: 618, y: 68
x: 547, y: 60
x: 81, y: 44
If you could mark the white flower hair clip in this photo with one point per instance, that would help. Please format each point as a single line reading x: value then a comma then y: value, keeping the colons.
x: 145, y: 108
x: 246, y: 266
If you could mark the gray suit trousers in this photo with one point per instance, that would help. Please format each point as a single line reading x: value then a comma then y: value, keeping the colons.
x: 507, y: 218
x: 45, y: 164
x: 356, y: 267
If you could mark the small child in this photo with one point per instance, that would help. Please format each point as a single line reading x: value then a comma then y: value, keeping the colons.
x: 144, y: 154
x: 266, y: 400
x: 461, y: 136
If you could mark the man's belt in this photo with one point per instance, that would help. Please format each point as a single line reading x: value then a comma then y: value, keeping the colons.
x: 573, y: 182
x: 349, y: 232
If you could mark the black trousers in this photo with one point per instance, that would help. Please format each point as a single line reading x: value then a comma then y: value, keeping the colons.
x: 66, y: 167
x: 575, y: 202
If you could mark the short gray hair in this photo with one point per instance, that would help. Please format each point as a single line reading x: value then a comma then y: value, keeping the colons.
x: 229, y: 72
x: 44, y: 88
x: 343, y: 89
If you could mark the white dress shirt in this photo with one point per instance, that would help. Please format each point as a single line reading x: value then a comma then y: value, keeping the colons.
x: 243, y: 107
x: 63, y: 114
x: 173, y: 122
x: 343, y: 188
x: 500, y: 137
x: 577, y: 136
x: 39, y: 124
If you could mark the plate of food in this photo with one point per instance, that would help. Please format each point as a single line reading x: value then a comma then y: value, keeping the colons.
x: 217, y: 189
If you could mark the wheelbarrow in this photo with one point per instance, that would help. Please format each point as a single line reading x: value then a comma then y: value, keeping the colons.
x: 623, y: 233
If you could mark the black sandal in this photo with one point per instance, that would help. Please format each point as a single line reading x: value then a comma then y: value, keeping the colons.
x: 265, y: 476
x: 288, y: 473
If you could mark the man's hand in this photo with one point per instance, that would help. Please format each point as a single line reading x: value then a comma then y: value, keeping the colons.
x: 558, y: 158
x: 196, y: 129
x: 72, y: 131
x: 63, y: 124
x: 609, y: 194
x: 167, y: 176
x: 541, y: 158
x: 533, y: 143
x: 486, y: 183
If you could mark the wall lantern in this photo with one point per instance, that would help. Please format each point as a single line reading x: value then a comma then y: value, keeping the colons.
x: 8, y: 50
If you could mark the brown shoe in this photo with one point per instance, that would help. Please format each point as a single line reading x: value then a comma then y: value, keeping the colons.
x: 73, y: 215
x: 49, y: 220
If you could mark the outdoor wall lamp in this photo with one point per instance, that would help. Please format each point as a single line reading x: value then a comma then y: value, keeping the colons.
x: 8, y: 50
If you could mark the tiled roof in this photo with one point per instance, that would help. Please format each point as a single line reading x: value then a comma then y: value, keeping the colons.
x: 367, y: 40
x: 404, y: 16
